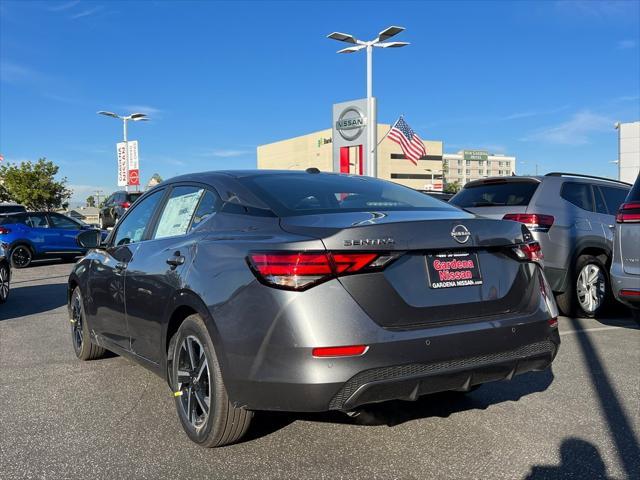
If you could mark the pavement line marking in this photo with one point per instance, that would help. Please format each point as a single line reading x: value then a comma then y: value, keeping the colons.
x: 595, y: 329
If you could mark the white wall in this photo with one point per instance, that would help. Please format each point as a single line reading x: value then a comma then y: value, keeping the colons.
x: 629, y: 155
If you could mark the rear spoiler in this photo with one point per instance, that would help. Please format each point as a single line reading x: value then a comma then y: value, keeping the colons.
x: 495, y: 180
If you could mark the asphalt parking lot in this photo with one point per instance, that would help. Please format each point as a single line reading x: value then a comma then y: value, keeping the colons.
x: 62, y: 418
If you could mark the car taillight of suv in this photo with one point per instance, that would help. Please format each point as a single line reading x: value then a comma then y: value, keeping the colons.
x: 535, y: 222
x: 628, y: 213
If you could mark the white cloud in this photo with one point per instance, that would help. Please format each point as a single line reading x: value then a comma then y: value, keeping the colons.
x: 225, y: 153
x: 533, y: 113
x: 63, y: 6
x: 626, y: 44
x: 14, y: 73
x: 575, y: 131
x: 149, y: 110
x: 86, y: 13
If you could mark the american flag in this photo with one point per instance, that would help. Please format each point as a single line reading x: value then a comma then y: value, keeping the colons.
x: 409, y: 141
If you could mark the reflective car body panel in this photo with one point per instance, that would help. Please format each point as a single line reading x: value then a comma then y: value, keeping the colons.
x: 264, y: 336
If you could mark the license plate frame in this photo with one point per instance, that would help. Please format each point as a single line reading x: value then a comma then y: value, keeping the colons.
x: 453, y: 269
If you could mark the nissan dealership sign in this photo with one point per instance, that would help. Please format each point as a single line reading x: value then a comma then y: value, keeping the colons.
x: 350, y: 126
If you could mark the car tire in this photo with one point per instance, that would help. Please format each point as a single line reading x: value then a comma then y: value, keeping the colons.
x: 83, y: 347
x: 591, y: 286
x: 195, y: 376
x: 21, y: 256
x: 5, y: 282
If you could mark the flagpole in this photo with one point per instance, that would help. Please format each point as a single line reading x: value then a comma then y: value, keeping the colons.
x: 388, y: 131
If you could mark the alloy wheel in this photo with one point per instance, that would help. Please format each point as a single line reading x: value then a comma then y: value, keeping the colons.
x: 21, y: 256
x: 4, y: 283
x: 591, y: 288
x: 194, y: 382
x: 76, y: 323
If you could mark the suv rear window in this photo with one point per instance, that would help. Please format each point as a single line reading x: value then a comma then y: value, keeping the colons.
x: 495, y: 194
x: 132, y: 197
x: 309, y: 194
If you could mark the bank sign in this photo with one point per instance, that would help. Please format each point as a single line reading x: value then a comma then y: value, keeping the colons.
x: 350, y: 124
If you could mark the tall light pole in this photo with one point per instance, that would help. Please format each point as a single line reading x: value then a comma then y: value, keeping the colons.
x: 380, y: 42
x: 135, y: 117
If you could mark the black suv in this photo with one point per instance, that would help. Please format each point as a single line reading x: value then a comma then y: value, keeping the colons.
x: 115, y: 206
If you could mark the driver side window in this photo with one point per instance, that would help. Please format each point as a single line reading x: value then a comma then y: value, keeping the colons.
x: 132, y: 227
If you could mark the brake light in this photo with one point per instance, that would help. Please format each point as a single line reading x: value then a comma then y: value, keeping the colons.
x: 553, y: 322
x: 4, y: 230
x: 125, y: 204
x: 301, y: 270
x: 628, y: 213
x: 534, y: 221
x: 531, y: 252
x: 348, y: 351
x: 629, y: 293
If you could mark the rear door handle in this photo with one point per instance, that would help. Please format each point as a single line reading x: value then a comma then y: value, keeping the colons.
x: 175, y: 260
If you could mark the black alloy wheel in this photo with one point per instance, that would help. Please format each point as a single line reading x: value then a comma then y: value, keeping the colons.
x: 21, y: 256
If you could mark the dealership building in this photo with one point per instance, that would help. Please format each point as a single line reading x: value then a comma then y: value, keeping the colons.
x: 628, y: 151
x: 432, y: 172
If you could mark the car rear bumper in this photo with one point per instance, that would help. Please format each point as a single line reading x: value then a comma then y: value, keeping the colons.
x: 441, y: 359
x: 621, y: 281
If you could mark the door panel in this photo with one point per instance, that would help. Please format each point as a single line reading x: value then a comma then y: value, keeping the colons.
x: 66, y: 231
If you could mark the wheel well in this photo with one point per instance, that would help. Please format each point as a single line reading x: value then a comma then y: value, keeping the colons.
x: 22, y: 243
x: 72, y: 286
x: 175, y: 321
x: 600, y: 253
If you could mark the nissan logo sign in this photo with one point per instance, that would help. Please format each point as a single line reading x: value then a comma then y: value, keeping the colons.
x: 351, y: 123
x: 460, y: 234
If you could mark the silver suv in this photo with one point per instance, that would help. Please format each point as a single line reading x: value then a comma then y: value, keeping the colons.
x: 572, y: 216
x: 625, y: 267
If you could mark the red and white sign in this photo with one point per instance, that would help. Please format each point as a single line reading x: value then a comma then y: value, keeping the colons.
x: 121, y: 150
x: 133, y: 163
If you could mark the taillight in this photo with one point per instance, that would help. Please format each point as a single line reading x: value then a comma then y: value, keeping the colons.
x: 629, y: 293
x: 4, y: 230
x: 553, y: 322
x: 536, y: 222
x: 348, y: 351
x: 628, y: 213
x: 531, y: 252
x: 125, y: 204
x: 302, y: 270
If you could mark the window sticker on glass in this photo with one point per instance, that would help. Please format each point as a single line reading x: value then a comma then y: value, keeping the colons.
x: 177, y: 213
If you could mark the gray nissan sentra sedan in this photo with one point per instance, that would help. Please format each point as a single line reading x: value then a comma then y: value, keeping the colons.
x: 308, y: 291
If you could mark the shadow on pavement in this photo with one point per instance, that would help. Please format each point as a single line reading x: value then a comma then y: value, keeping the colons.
x: 578, y: 459
x: 620, y: 428
x: 33, y: 299
x: 397, y: 412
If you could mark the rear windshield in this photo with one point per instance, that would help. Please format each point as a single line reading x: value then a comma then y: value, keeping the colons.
x: 132, y: 197
x: 309, y: 194
x: 495, y: 195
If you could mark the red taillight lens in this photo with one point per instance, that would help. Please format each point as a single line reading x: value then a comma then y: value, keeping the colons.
x: 531, y: 252
x: 4, y: 230
x: 348, y: 351
x: 553, y: 322
x: 629, y: 293
x: 301, y: 270
x: 628, y: 213
x: 534, y: 221
x: 125, y: 204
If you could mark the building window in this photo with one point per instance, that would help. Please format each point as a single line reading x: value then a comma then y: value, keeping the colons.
x: 481, y: 162
x: 481, y: 172
x: 459, y: 171
x: 468, y: 172
x: 468, y: 163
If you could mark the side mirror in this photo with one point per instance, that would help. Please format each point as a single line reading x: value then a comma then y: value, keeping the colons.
x: 89, y: 239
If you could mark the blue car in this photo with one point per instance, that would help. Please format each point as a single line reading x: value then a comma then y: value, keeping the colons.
x: 32, y: 235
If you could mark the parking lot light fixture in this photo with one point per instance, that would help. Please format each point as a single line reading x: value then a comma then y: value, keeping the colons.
x: 380, y: 42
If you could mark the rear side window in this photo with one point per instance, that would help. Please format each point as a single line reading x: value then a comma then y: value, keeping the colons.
x: 12, y: 219
x: 12, y: 208
x: 309, y: 194
x: 132, y: 197
x: 578, y: 194
x: 614, y: 197
x: 37, y: 220
x: 496, y: 195
x: 209, y: 204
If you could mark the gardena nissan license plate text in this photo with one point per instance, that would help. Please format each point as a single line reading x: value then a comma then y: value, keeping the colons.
x: 458, y: 269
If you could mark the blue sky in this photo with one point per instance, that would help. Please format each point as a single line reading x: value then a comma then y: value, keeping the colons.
x: 544, y: 81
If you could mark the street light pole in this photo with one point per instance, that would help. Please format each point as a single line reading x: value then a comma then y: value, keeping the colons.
x: 380, y: 42
x: 136, y: 117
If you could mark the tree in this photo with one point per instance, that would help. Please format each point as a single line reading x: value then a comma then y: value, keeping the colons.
x: 154, y: 180
x: 91, y: 202
x: 454, y: 187
x: 34, y: 185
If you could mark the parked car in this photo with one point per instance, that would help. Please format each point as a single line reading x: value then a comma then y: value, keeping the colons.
x: 572, y: 216
x: 445, y: 197
x: 115, y: 206
x: 308, y: 291
x: 5, y: 273
x: 625, y: 267
x: 11, y: 208
x: 32, y: 235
